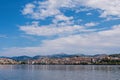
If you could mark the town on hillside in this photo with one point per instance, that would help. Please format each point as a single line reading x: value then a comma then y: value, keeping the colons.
x: 64, y: 60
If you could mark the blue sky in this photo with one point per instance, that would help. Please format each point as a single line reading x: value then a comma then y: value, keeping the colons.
x: 44, y: 27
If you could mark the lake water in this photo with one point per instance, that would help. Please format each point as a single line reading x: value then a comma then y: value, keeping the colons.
x: 59, y: 72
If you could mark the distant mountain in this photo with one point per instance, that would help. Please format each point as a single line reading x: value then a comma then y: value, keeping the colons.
x: 62, y: 55
x: 24, y: 58
x: 99, y: 55
x: 21, y: 58
x: 115, y: 55
x: 59, y: 56
x: 53, y: 56
x: 65, y: 55
x: 38, y: 57
x: 4, y: 57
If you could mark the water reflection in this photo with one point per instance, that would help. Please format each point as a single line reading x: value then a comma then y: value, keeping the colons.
x: 63, y: 67
x: 58, y: 72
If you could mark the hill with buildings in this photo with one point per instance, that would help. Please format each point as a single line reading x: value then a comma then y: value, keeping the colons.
x: 63, y: 59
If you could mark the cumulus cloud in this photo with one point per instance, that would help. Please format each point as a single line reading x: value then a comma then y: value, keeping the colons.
x: 89, y: 14
x: 115, y: 31
x: 107, y: 7
x: 52, y: 7
x: 80, y: 39
x: 28, y: 9
x: 52, y: 30
x: 41, y: 10
x: 65, y: 24
x: 91, y: 24
x: 106, y: 41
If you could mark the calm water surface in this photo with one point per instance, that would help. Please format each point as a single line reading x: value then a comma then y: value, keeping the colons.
x: 59, y: 72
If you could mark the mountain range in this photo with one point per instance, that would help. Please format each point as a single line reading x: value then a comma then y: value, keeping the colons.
x: 24, y: 58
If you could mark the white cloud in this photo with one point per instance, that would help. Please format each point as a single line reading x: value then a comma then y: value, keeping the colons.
x: 52, y: 30
x: 108, y: 7
x: 28, y: 9
x: 91, y: 43
x: 41, y: 10
x: 60, y: 22
x: 62, y: 18
x: 115, y: 31
x: 89, y: 14
x: 91, y: 24
x: 106, y: 41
